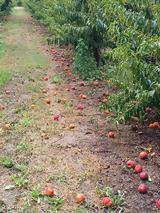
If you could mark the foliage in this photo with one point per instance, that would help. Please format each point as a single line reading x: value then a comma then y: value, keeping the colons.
x: 84, y: 62
x: 123, y: 35
x: 133, y: 65
x: 5, y: 6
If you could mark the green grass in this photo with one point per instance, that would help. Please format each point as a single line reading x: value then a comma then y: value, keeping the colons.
x: 5, y: 77
x: 22, y: 54
x: 57, y: 79
x: 22, y: 167
x: 20, y: 180
x: 6, y: 161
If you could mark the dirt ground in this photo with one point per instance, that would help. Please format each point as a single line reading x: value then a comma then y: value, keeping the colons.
x: 77, y: 158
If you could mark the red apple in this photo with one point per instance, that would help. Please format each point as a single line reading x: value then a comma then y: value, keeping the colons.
x: 138, y: 169
x: 111, y: 135
x: 8, y: 92
x: 73, y: 88
x: 143, y: 175
x: 56, y: 117
x: 46, y: 78
x: 83, y: 96
x: 80, y: 107
x: 49, y: 191
x: 158, y: 203
x: 131, y: 164
x: 107, y: 202
x: 143, y: 155
x: 80, y: 198
x: 82, y: 83
x: 143, y: 188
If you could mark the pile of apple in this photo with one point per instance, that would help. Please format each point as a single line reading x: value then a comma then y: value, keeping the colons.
x: 138, y: 169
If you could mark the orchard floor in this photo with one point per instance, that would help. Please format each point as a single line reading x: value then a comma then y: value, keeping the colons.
x: 45, y: 152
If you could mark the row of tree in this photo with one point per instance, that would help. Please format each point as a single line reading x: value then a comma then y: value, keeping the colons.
x: 5, y: 6
x: 117, y: 39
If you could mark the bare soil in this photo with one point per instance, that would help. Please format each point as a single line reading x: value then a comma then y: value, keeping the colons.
x: 78, y: 160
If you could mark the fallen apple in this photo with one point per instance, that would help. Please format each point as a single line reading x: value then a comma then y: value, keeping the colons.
x: 46, y: 78
x: 80, y: 198
x: 158, y: 203
x: 48, y: 101
x: 107, y: 202
x: 44, y: 90
x: 8, y: 92
x: 107, y: 112
x: 80, y: 107
x: 143, y: 155
x: 2, y: 107
x: 131, y: 164
x: 7, y: 126
x: 143, y: 188
x: 33, y: 106
x: 48, y: 191
x: 56, y: 117
x: 72, y: 126
x: 82, y: 83
x: 143, y: 176
x: 82, y: 96
x: 138, y: 169
x: 111, y: 135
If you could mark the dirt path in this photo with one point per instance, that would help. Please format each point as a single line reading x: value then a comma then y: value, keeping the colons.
x: 40, y: 151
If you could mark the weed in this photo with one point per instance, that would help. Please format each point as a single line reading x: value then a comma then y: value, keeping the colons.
x: 36, y: 194
x: 22, y: 167
x: 56, y: 202
x: 20, y: 109
x: 20, y: 179
x: 26, y: 120
x: 6, y: 161
x: 57, y: 79
x: 23, y: 146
